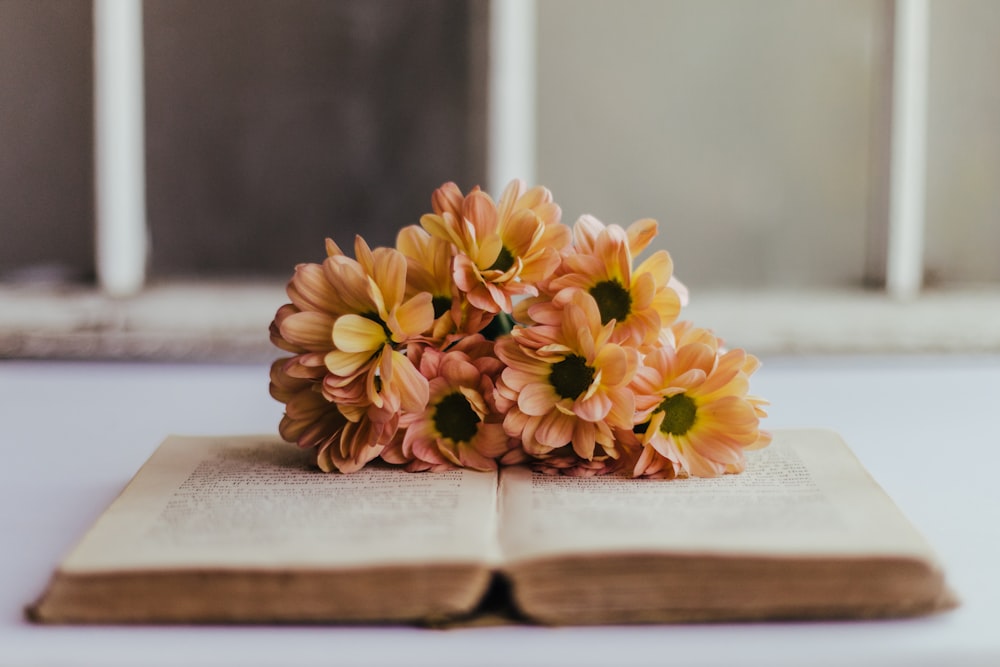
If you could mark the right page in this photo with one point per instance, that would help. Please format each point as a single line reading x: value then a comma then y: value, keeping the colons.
x: 804, y: 494
x: 804, y: 532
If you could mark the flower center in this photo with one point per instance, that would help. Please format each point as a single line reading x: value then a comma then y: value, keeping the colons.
x: 680, y: 412
x: 504, y: 260
x: 454, y: 418
x: 571, y: 376
x: 613, y: 300
x: 442, y: 304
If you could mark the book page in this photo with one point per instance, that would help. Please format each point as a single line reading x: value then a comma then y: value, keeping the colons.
x: 257, y: 502
x: 804, y: 494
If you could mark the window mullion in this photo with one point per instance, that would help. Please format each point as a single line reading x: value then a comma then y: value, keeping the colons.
x: 512, y: 76
x: 119, y: 146
x: 907, y: 185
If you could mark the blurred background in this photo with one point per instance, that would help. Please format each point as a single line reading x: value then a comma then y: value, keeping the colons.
x: 758, y: 134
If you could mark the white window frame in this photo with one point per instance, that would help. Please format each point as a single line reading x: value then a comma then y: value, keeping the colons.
x: 126, y: 317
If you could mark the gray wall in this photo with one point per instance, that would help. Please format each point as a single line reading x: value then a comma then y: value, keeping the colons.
x: 756, y: 132
x: 46, y: 166
x: 745, y: 128
x: 963, y: 198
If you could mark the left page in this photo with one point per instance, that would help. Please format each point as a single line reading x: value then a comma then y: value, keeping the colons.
x: 254, y: 502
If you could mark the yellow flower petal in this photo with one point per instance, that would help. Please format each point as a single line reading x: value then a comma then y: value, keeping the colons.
x: 659, y: 265
x: 414, y: 316
x: 613, y: 362
x: 489, y: 252
x: 640, y: 234
x: 354, y: 333
x: 509, y: 197
x: 522, y: 232
x: 411, y: 385
x: 390, y: 275
x: 346, y: 364
x: 332, y: 248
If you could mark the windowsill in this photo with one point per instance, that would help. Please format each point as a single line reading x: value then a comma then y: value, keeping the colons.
x: 194, y: 321
x: 228, y: 322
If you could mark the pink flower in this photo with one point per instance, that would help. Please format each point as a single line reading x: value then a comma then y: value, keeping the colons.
x: 460, y: 426
x: 640, y: 302
x: 348, y: 324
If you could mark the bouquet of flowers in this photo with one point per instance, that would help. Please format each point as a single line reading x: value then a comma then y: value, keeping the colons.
x: 493, y: 334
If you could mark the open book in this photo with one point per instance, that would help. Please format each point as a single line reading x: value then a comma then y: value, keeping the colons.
x: 241, y: 529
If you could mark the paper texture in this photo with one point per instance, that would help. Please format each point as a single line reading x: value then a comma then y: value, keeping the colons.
x: 257, y: 502
x: 222, y: 529
x: 804, y: 494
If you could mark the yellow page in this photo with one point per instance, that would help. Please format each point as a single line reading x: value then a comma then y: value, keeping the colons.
x: 804, y: 494
x: 256, y: 502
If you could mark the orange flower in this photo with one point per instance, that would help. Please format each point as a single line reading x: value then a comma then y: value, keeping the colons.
x: 641, y: 301
x: 359, y: 443
x: 348, y: 323
x: 429, y: 269
x: 640, y: 235
x: 461, y: 426
x: 566, y: 383
x: 309, y: 420
x: 363, y: 321
x: 694, y: 408
x: 502, y: 249
x: 390, y: 357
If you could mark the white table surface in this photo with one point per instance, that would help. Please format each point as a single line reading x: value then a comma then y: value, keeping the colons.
x: 72, y: 434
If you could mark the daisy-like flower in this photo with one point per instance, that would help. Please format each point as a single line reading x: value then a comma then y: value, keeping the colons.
x: 429, y: 269
x: 640, y: 234
x: 501, y: 249
x: 388, y: 350
x: 348, y: 323
x: 566, y: 383
x: 309, y: 420
x: 461, y: 426
x: 702, y: 418
x: 640, y: 302
x: 368, y: 325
